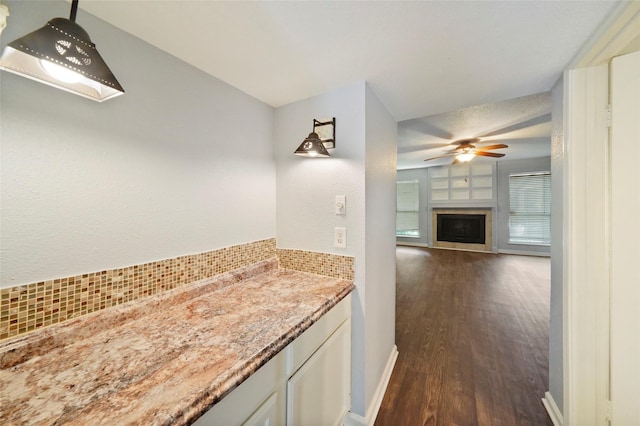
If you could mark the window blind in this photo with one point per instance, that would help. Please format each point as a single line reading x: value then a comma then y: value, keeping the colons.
x: 407, y: 209
x: 530, y: 208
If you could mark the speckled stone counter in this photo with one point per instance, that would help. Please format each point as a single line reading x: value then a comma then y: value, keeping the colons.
x: 165, y: 359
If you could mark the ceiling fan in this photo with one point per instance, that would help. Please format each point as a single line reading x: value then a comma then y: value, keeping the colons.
x: 466, y: 150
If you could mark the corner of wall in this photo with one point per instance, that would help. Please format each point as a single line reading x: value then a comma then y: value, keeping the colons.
x: 557, y: 275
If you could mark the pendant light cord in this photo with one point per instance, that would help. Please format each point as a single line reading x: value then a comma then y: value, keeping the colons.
x: 74, y: 10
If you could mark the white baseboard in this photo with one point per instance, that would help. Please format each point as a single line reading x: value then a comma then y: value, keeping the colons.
x: 463, y: 249
x: 552, y: 409
x: 372, y: 412
x: 404, y: 243
x: 525, y: 253
x: 352, y: 419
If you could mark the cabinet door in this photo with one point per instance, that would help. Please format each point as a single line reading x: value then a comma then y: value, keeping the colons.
x: 260, y: 400
x: 266, y: 415
x: 319, y: 392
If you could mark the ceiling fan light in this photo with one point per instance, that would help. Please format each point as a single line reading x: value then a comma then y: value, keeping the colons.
x: 465, y: 157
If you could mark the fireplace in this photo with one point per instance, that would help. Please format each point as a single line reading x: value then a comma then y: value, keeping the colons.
x: 461, y: 228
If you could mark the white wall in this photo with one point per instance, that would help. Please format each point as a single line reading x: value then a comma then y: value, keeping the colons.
x: 380, y: 247
x: 181, y: 163
x: 555, y: 309
x: 362, y: 163
x: 306, y: 188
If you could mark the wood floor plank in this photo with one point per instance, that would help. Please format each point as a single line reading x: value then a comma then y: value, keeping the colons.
x: 472, y: 334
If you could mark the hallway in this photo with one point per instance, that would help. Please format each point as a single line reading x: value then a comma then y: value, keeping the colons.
x: 472, y: 335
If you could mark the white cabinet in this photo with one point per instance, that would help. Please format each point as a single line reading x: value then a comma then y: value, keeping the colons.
x: 307, y: 383
x: 268, y: 414
x: 260, y: 398
x: 318, y: 393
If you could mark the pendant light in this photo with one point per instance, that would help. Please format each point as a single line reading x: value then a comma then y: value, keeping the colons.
x: 61, y: 55
x: 313, y: 146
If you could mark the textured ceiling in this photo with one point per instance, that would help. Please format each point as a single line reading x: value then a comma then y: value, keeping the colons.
x: 524, y: 124
x: 467, y: 68
x: 420, y: 57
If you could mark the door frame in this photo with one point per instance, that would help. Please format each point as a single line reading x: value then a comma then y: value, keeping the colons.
x: 586, y: 222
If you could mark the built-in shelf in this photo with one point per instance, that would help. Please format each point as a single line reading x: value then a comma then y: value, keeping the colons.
x: 470, y: 183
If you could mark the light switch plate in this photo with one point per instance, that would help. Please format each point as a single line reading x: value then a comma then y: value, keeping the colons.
x: 341, y: 204
x: 340, y: 237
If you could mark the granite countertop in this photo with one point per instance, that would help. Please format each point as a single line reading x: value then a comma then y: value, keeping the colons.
x: 165, y: 359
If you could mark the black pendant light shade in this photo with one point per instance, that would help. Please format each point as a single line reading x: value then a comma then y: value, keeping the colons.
x: 313, y: 146
x: 62, y: 55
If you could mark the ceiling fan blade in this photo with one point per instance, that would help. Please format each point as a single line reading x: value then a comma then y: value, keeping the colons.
x: 425, y: 147
x: 441, y: 156
x: 518, y: 126
x: 489, y: 147
x: 489, y: 154
x: 424, y: 126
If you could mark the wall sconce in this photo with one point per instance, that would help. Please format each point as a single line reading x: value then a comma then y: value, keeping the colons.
x: 322, y: 138
x: 4, y: 12
x: 61, y: 55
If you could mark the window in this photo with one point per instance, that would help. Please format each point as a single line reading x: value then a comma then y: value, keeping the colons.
x: 530, y: 208
x: 407, y: 210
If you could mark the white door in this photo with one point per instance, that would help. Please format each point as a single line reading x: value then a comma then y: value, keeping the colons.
x: 625, y: 240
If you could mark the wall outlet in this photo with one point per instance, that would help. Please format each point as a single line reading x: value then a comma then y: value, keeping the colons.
x: 340, y: 237
x: 341, y: 204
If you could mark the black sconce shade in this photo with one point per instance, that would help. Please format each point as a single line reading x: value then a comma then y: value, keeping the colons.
x: 313, y: 146
x: 62, y: 55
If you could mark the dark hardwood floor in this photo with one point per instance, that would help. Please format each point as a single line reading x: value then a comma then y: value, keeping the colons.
x: 472, y: 334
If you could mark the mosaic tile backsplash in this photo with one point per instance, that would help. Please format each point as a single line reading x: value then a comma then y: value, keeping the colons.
x: 327, y: 264
x: 29, y: 307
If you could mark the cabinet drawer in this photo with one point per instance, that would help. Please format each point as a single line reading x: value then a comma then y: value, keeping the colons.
x: 308, y: 342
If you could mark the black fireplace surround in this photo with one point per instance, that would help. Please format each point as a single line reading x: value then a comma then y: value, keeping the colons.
x: 461, y: 228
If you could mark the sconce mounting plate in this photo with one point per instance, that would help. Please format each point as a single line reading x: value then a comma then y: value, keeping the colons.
x: 326, y: 131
